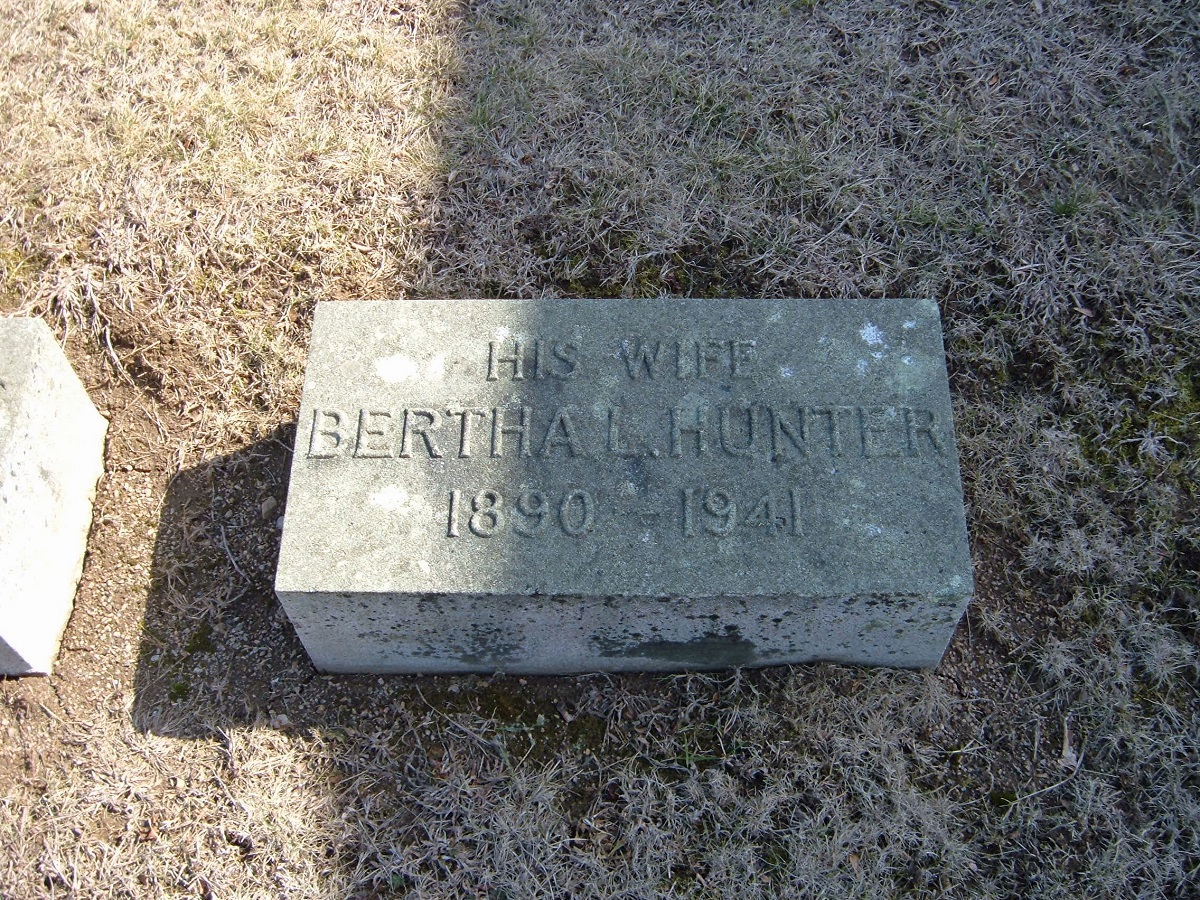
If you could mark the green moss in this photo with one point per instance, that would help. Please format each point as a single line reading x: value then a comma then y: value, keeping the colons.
x: 524, y: 719
x: 586, y: 733
x: 1174, y: 424
x: 201, y: 640
x: 499, y: 700
x: 1002, y: 799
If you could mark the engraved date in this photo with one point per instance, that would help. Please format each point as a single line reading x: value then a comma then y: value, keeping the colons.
x: 716, y: 511
x: 485, y: 513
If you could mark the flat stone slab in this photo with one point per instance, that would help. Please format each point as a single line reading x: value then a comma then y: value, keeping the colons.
x: 558, y: 486
x: 51, y: 456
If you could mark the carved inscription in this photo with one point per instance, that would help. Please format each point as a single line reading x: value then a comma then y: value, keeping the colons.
x: 742, y: 428
x: 708, y: 358
x: 716, y: 511
x: 574, y: 513
x: 730, y: 428
x: 516, y: 360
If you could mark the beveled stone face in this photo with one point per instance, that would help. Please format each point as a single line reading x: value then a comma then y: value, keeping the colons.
x: 564, y: 485
x: 51, y: 456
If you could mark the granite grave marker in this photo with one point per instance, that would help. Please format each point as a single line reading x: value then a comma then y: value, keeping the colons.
x: 51, y: 456
x: 554, y: 486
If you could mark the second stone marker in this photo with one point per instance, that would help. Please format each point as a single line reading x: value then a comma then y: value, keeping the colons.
x: 564, y: 486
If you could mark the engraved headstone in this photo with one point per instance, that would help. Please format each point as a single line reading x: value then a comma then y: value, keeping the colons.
x: 51, y: 456
x: 564, y: 486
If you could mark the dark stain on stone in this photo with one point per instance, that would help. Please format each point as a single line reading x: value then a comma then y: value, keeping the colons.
x: 484, y: 647
x: 709, y: 651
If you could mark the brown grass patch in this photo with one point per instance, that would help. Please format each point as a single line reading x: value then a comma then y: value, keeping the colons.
x: 180, y: 183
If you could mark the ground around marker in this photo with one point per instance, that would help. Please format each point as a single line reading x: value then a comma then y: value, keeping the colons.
x: 182, y: 182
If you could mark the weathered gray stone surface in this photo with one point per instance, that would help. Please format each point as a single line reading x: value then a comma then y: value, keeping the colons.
x: 580, y: 485
x: 51, y: 456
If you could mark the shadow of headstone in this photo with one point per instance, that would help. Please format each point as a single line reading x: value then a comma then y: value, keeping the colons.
x: 216, y: 648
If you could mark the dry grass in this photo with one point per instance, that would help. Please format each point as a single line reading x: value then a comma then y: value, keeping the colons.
x: 179, y: 183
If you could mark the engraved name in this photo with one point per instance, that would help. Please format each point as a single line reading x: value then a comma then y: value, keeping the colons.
x: 774, y: 432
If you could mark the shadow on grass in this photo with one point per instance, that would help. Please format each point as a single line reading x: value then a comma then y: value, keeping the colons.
x: 218, y: 651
